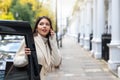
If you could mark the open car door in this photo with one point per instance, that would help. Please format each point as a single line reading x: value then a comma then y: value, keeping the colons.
x: 10, y: 32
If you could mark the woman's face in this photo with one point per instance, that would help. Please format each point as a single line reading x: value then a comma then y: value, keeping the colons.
x: 43, y: 27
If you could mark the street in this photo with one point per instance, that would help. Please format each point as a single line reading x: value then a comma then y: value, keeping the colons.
x: 78, y: 64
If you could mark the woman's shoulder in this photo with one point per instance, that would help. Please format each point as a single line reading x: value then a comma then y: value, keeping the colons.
x: 36, y: 36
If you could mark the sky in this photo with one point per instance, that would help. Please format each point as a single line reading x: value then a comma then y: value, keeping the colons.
x: 64, y: 7
x: 64, y: 10
x: 67, y: 7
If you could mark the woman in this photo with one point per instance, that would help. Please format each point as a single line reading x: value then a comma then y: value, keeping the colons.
x: 46, y: 48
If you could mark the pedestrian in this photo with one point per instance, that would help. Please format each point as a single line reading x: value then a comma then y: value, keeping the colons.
x: 46, y: 48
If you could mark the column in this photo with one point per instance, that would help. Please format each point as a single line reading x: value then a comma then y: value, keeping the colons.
x: 100, y: 27
x: 88, y: 24
x: 77, y: 24
x: 84, y: 23
x: 114, y: 54
x: 80, y: 22
x: 94, y: 27
x: 82, y: 26
x: 109, y: 16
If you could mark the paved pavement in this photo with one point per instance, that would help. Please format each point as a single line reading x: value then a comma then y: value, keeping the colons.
x: 77, y: 64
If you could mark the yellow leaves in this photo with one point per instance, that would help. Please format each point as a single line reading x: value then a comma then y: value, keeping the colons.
x: 4, y: 5
x: 34, y: 9
x: 23, y: 1
x: 34, y: 3
x: 5, y: 16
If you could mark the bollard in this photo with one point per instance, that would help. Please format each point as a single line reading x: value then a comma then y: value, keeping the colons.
x: 91, y: 36
x: 106, y: 38
x: 78, y: 37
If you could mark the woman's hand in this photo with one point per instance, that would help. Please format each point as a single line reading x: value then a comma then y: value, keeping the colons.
x: 52, y: 32
x: 27, y: 51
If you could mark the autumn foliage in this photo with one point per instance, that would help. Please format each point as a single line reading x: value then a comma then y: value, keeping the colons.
x: 26, y: 10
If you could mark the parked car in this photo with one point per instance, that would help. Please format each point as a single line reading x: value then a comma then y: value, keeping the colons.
x: 8, y: 50
x: 19, y: 28
x: 13, y: 37
x: 7, y: 53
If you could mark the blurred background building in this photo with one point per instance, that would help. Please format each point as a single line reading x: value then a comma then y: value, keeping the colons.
x: 98, y: 24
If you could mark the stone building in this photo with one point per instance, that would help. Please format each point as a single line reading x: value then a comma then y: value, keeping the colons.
x: 98, y: 17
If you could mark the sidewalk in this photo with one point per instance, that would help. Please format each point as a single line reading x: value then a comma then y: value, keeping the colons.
x: 77, y: 64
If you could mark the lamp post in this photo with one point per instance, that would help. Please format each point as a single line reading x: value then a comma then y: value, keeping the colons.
x: 56, y: 26
x: 61, y: 32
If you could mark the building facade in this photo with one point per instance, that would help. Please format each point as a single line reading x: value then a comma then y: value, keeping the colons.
x: 98, y: 18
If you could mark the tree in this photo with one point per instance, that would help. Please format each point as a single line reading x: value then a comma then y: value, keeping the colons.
x: 22, y: 12
x: 27, y: 10
x: 4, y: 10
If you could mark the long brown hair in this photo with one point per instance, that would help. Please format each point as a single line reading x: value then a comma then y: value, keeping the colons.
x: 36, y: 24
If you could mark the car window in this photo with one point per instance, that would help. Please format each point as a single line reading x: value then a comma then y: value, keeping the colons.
x: 10, y: 47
